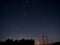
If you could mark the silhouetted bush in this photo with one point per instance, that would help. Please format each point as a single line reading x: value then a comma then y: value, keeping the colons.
x: 18, y: 42
x: 57, y: 43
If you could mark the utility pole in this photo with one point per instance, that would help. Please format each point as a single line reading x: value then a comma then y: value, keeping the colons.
x: 46, y: 38
x: 43, y: 39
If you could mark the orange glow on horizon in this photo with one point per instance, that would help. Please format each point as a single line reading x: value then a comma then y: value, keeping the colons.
x: 37, y: 43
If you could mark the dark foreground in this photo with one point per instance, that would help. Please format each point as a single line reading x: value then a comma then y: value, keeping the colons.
x: 23, y: 42
x: 18, y: 42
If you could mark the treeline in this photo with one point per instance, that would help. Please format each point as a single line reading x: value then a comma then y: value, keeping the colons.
x: 56, y: 43
x: 18, y: 42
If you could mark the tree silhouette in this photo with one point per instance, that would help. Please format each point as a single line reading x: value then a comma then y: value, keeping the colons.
x: 18, y: 42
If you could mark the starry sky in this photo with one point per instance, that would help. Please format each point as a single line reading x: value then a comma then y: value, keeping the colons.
x: 29, y: 19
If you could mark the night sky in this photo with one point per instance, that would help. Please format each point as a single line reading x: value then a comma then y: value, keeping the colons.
x: 29, y: 19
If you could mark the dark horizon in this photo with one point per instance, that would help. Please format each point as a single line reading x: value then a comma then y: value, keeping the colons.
x: 25, y: 42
